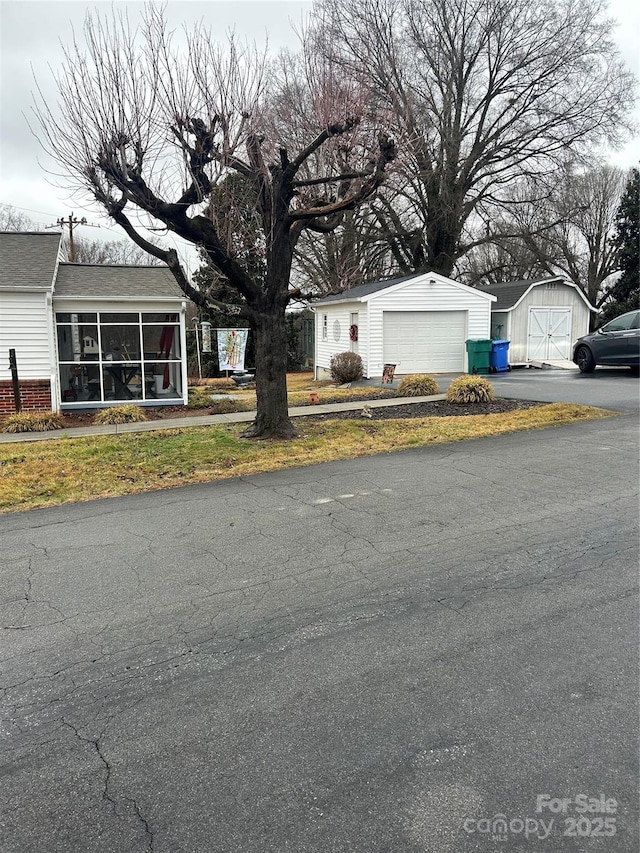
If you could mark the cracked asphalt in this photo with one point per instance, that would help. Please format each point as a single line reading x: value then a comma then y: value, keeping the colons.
x: 369, y: 656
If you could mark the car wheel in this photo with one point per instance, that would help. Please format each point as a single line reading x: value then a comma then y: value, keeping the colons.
x: 584, y: 360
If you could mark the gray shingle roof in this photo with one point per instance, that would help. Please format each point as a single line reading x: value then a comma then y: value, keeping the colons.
x: 28, y: 258
x: 365, y: 290
x: 510, y: 292
x: 113, y: 281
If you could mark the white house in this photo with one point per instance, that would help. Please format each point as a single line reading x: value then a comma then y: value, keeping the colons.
x: 420, y: 323
x: 84, y: 335
x: 541, y: 319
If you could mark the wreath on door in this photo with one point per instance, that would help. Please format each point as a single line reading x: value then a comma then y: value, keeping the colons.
x: 353, y: 332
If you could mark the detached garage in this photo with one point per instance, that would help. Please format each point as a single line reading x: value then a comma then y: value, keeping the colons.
x: 542, y: 319
x: 419, y: 323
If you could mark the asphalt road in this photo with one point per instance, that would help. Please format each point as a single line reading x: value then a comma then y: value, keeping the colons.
x: 377, y: 656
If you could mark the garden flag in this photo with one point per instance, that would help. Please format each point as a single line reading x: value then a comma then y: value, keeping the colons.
x: 231, y: 347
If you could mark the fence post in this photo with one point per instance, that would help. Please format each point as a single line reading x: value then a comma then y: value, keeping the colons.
x: 13, y: 367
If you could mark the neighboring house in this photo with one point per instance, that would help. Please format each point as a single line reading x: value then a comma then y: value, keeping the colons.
x: 87, y: 336
x: 541, y: 319
x: 420, y: 323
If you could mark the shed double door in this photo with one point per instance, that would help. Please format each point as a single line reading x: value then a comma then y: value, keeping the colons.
x: 549, y: 334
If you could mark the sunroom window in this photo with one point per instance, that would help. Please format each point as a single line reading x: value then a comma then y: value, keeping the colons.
x: 119, y: 356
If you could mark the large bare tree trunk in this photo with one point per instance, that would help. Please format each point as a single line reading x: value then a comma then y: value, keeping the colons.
x: 272, y: 420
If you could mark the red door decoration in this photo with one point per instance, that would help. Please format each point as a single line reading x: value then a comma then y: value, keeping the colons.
x: 353, y: 332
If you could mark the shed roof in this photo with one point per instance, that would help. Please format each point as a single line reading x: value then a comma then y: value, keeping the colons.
x: 28, y: 259
x: 511, y: 293
x: 116, y: 281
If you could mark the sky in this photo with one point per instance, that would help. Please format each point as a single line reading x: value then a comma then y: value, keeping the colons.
x: 31, y: 33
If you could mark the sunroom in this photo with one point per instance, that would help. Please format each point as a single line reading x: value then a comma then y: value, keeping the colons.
x: 119, y: 336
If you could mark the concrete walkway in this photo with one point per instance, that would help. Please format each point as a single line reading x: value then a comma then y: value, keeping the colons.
x: 208, y: 420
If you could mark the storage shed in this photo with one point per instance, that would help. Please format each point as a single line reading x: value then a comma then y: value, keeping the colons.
x: 419, y: 323
x: 541, y: 319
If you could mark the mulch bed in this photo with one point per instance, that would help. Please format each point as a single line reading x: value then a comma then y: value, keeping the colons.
x: 434, y: 409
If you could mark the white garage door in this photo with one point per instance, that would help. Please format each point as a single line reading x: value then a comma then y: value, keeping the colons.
x: 425, y: 341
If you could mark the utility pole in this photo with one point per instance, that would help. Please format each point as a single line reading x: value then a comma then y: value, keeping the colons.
x: 70, y: 222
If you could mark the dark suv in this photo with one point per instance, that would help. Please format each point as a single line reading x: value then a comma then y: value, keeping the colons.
x: 615, y: 343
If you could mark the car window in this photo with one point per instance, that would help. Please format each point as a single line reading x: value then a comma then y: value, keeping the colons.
x: 636, y: 321
x: 621, y: 324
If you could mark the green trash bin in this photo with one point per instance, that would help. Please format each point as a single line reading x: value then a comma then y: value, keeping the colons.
x: 478, y: 355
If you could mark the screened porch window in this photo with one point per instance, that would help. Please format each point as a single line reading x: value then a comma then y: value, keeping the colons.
x: 125, y: 356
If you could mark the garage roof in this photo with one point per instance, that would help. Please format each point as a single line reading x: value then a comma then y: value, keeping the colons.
x: 364, y: 291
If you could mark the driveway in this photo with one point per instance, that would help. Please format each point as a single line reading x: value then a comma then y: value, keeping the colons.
x: 374, y: 656
x: 610, y: 388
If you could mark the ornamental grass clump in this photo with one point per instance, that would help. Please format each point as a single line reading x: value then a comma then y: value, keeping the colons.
x: 418, y: 385
x: 120, y: 415
x: 33, y: 422
x: 199, y: 398
x: 470, y: 389
x: 346, y: 367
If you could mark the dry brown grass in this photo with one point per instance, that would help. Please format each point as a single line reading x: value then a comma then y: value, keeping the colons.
x: 65, y: 470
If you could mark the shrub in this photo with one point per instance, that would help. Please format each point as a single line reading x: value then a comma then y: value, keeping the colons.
x: 33, y: 422
x: 470, y: 389
x: 346, y: 367
x: 199, y: 398
x: 127, y: 414
x: 418, y: 385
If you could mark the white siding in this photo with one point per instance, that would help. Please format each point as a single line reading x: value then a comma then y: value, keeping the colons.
x: 545, y: 296
x: 24, y: 326
x: 422, y: 296
x: 340, y: 313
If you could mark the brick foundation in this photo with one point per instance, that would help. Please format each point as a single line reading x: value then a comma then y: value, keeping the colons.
x: 35, y: 395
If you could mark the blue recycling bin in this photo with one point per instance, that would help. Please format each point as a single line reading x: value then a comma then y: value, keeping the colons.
x: 499, y: 356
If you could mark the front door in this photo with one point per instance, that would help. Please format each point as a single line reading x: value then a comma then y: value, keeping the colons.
x: 549, y: 334
x: 353, y: 332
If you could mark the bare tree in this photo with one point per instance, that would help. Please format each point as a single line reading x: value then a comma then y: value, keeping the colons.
x: 150, y: 131
x: 108, y: 252
x: 482, y: 93
x: 12, y: 219
x: 568, y: 233
x: 352, y: 254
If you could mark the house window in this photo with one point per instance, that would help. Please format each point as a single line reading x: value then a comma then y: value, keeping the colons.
x: 325, y: 327
x: 130, y: 357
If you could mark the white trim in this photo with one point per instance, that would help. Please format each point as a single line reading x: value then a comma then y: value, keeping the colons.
x: 559, y: 280
x: 82, y: 298
x: 54, y: 378
x: 183, y: 350
x: 16, y: 288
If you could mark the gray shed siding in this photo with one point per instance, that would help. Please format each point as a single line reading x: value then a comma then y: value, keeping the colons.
x: 542, y: 296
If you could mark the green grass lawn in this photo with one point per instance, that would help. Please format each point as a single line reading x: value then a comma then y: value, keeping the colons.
x: 63, y: 470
